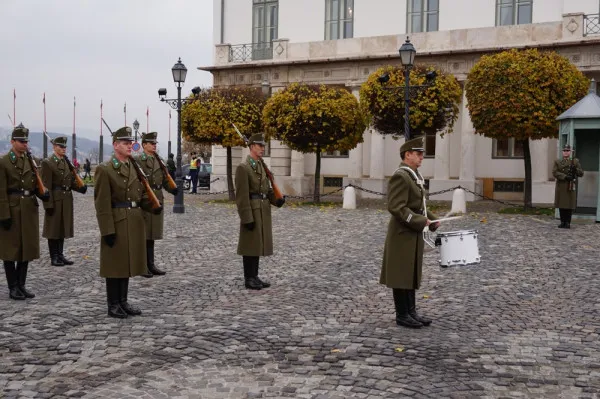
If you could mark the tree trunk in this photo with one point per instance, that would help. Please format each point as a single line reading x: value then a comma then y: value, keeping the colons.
x: 230, y: 176
x: 317, y: 194
x: 527, y: 158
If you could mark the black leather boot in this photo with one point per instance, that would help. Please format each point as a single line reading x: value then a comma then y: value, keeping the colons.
x: 61, y: 255
x: 568, y: 219
x: 250, y: 281
x: 11, y: 280
x: 124, y: 291
x: 265, y: 284
x: 150, y: 254
x: 113, y: 299
x: 22, y: 277
x: 412, y: 308
x: 561, y: 213
x: 54, y: 250
x: 402, y: 316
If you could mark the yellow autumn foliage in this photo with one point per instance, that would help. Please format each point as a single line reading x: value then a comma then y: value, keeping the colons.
x: 311, y: 118
x: 520, y: 93
x: 432, y: 109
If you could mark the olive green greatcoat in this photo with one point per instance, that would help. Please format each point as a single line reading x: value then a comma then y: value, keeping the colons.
x: 403, y: 251
x: 154, y: 223
x: 563, y: 197
x: 59, y: 180
x: 22, y: 242
x: 118, y: 182
x: 250, y: 178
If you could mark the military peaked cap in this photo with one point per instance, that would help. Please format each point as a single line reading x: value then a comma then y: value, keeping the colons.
x: 20, y: 133
x: 567, y: 147
x: 60, y: 140
x: 149, y: 137
x: 257, y: 138
x: 413, y: 145
x: 123, y: 133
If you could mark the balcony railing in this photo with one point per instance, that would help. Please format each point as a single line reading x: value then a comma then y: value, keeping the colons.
x: 250, y: 52
x: 591, y: 24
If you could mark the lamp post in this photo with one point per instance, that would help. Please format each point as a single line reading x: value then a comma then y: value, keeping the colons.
x: 136, y: 126
x: 407, y: 58
x: 179, y: 73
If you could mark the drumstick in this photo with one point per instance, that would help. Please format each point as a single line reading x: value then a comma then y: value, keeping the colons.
x: 445, y: 219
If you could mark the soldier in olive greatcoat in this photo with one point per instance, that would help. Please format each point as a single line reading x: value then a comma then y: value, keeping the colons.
x: 254, y: 197
x: 158, y: 181
x: 118, y: 200
x: 403, y: 252
x: 566, y: 171
x: 19, y: 216
x: 58, y: 219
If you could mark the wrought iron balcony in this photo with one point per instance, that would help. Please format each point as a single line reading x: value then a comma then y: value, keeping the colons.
x: 591, y: 24
x: 250, y: 52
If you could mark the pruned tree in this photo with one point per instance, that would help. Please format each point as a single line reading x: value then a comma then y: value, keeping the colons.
x: 94, y: 155
x: 519, y: 94
x: 314, y: 119
x: 208, y: 119
x: 432, y: 109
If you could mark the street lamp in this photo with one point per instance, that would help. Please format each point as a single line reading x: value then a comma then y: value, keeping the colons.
x: 179, y: 73
x: 136, y: 126
x: 407, y: 58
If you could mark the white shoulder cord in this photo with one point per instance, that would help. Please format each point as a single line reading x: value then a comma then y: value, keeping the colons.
x: 421, y: 183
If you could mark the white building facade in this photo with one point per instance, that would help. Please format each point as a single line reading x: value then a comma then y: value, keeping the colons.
x: 272, y: 43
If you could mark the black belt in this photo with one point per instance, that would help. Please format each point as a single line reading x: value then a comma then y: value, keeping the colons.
x: 25, y: 193
x: 258, y: 196
x: 64, y: 188
x: 130, y: 204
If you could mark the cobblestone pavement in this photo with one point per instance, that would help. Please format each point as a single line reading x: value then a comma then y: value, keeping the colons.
x: 523, y: 323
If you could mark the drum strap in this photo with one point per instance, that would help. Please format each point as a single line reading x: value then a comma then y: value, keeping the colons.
x: 421, y: 183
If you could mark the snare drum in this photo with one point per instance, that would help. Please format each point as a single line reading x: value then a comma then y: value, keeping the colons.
x: 458, y: 248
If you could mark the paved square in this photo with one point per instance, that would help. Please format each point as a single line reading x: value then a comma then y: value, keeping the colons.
x: 523, y: 323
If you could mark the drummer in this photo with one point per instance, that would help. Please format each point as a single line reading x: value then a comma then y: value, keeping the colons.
x: 403, y: 252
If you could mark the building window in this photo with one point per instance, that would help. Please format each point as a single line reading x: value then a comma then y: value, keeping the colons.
x: 423, y: 16
x: 430, y: 145
x: 513, y: 12
x: 267, y: 152
x: 335, y: 154
x: 339, y: 19
x: 264, y: 28
x: 507, y: 148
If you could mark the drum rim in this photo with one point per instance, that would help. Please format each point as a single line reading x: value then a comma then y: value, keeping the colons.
x: 457, y: 233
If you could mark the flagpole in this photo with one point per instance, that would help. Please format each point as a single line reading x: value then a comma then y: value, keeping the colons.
x: 101, y: 150
x: 14, y: 107
x: 73, y: 150
x: 147, y: 119
x: 125, y: 112
x: 169, y: 145
x: 45, y: 131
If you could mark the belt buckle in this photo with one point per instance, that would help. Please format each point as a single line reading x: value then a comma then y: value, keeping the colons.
x: 134, y: 204
x: 26, y: 192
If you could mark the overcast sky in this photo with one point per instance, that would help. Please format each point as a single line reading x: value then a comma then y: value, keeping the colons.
x: 115, y: 50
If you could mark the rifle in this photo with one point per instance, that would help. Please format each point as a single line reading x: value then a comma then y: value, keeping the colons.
x: 154, y: 202
x: 276, y: 190
x: 170, y: 182
x: 78, y: 181
x: 572, y: 174
x: 41, y: 189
